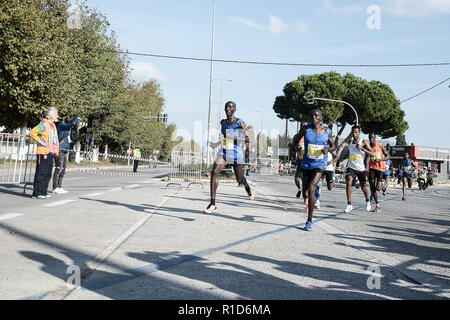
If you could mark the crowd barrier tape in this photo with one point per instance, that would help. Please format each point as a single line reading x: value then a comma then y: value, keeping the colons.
x: 110, y: 155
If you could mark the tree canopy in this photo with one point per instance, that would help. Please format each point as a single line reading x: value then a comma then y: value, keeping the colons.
x: 46, y: 62
x: 377, y: 107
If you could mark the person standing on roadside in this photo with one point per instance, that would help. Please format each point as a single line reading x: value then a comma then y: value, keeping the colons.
x: 46, y: 136
x: 136, y: 156
x: 65, y: 137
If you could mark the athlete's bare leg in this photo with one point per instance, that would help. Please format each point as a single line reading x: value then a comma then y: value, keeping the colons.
x: 238, y: 172
x: 218, y: 165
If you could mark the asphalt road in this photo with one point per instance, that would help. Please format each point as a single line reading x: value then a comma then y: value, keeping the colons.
x: 117, y: 235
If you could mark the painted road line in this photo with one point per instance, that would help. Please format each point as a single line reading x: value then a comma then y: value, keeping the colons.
x: 94, y: 194
x: 133, y: 185
x: 7, y: 216
x: 93, y: 264
x: 115, y: 189
x: 73, y: 178
x: 57, y: 203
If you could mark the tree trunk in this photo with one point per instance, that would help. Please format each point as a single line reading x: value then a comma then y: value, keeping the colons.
x: 21, y: 150
x: 106, y: 151
x: 78, y: 149
x: 95, y: 152
x: 339, y: 134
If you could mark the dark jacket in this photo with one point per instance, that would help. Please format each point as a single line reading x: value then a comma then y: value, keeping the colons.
x: 66, y: 135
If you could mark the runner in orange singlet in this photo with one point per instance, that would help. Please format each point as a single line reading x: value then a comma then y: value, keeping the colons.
x: 377, y: 167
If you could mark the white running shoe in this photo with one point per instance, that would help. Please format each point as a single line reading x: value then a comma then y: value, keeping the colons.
x: 368, y: 206
x: 317, y: 204
x: 61, y: 190
x: 349, y: 208
x: 56, y: 190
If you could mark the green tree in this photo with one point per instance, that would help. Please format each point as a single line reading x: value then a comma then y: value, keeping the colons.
x: 44, y: 63
x: 34, y: 59
x: 377, y: 107
x: 134, y: 120
x: 168, y: 142
x: 401, y: 140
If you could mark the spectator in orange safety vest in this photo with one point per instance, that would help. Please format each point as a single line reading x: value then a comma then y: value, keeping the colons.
x: 46, y: 136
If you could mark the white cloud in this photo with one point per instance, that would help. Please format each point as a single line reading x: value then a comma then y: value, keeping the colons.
x: 326, y: 6
x: 275, y: 25
x: 144, y: 71
x: 416, y: 8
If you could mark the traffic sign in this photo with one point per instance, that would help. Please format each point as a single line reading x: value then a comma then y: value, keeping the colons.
x: 129, y: 151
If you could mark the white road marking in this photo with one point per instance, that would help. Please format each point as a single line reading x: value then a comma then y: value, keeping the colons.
x: 7, y: 216
x: 57, y: 203
x: 116, y: 189
x: 133, y: 185
x: 94, y: 194
x: 73, y: 178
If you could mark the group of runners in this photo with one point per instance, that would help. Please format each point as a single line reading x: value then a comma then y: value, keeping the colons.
x: 317, y: 156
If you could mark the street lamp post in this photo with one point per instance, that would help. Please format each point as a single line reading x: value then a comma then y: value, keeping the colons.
x: 259, y: 142
x: 210, y: 83
x: 220, y: 101
x: 333, y: 100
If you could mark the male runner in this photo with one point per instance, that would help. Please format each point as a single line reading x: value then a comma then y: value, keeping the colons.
x: 233, y: 136
x: 318, y: 141
x: 407, y: 166
x: 377, y: 167
x: 298, y: 171
x: 386, y: 175
x: 329, y: 178
x: 357, y: 149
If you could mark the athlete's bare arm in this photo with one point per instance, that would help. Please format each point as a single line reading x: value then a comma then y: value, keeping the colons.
x: 367, y: 149
x: 297, y: 138
x: 345, y: 143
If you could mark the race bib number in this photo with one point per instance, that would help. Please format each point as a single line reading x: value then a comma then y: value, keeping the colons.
x: 376, y: 156
x: 356, y: 157
x: 315, y: 151
x: 407, y: 169
x: 228, y: 144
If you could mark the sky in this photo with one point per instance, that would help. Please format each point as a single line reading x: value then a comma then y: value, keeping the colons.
x: 288, y: 31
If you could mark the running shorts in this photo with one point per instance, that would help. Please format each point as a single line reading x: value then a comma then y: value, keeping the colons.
x: 360, y: 174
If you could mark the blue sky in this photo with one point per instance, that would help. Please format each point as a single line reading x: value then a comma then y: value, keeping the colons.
x: 322, y: 32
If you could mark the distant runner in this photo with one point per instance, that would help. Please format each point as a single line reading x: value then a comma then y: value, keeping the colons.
x: 329, y: 177
x: 386, y: 175
x: 233, y: 136
x: 407, y: 166
x: 298, y: 171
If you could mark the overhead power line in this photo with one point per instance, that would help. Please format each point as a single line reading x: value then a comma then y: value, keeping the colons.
x: 284, y: 63
x: 425, y: 90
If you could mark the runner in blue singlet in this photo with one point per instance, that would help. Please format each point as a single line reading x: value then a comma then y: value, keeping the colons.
x: 234, y: 136
x: 318, y: 141
x: 408, y: 167
x: 386, y: 176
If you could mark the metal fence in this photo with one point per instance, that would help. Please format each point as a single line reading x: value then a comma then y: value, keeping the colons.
x: 268, y: 166
x: 17, y: 155
x: 267, y: 170
x: 185, y: 167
